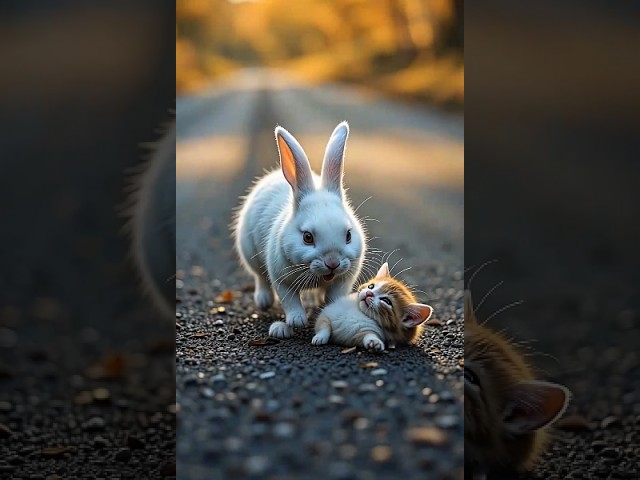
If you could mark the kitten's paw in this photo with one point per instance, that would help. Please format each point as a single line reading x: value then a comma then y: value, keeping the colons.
x: 297, y: 319
x: 263, y: 298
x: 321, y: 338
x: 373, y: 343
x: 280, y: 330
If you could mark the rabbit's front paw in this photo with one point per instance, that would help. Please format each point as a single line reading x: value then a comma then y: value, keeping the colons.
x: 297, y: 319
x: 280, y: 330
x: 373, y: 343
x: 321, y: 338
x: 263, y: 298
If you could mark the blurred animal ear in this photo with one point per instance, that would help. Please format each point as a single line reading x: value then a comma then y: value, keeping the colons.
x: 383, y: 271
x: 294, y: 163
x: 469, y: 314
x: 415, y: 314
x: 533, y: 404
x: 333, y: 163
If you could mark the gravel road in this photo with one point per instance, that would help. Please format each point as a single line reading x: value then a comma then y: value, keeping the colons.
x: 287, y: 409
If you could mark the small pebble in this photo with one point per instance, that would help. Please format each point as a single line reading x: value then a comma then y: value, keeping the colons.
x: 381, y: 453
x: 94, y: 424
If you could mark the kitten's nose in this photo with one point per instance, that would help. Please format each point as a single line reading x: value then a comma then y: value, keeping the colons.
x: 332, y: 263
x: 368, y: 293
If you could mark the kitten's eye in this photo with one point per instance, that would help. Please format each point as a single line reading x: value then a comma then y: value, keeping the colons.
x: 470, y: 376
x: 386, y: 300
x: 348, y: 236
x: 307, y: 237
x: 370, y: 287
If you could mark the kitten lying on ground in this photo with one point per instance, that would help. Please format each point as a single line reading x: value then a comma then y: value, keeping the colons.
x: 506, y: 410
x: 383, y: 309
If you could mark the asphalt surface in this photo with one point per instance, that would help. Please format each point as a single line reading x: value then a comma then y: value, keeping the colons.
x: 289, y: 409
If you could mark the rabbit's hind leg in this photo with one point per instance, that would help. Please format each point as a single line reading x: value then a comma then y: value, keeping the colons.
x: 263, y: 294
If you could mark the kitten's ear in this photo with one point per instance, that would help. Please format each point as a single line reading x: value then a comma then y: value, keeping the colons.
x: 469, y: 314
x: 415, y: 314
x: 383, y: 271
x: 533, y: 404
x: 294, y: 163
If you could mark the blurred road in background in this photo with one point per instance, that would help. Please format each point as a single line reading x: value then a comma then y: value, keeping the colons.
x: 291, y: 410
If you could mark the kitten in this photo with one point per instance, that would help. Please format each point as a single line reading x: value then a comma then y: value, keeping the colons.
x: 382, y: 309
x: 506, y: 410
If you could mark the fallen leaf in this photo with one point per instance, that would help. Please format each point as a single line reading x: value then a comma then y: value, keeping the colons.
x: 434, y: 351
x: 53, y: 452
x: 5, y: 432
x: 368, y: 364
x: 111, y: 366
x: 434, y: 322
x: 162, y: 345
x: 260, y: 342
x: 178, y: 326
x: 461, y: 362
x: 249, y: 287
x: 225, y: 297
x: 348, y: 350
x: 200, y: 335
x: 427, y: 436
x: 575, y: 423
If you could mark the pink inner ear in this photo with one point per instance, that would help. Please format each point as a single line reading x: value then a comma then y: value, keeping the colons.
x: 287, y: 161
x: 533, y: 405
x: 416, y: 314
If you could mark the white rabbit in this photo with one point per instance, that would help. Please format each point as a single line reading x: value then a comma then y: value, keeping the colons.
x: 297, y: 231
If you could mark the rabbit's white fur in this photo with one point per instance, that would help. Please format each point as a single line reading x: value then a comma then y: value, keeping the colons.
x: 270, y: 224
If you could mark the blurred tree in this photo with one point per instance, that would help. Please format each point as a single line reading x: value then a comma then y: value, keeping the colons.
x: 345, y: 40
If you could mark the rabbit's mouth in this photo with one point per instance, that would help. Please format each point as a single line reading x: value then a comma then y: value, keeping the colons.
x: 328, y: 278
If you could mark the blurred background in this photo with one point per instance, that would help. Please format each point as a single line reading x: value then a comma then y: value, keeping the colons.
x: 86, y: 363
x: 395, y: 71
x: 406, y: 48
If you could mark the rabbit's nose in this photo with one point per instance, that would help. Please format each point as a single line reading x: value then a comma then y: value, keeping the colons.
x: 332, y: 263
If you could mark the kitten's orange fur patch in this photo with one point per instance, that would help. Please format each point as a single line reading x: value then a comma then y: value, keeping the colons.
x: 391, y: 321
x: 500, y: 370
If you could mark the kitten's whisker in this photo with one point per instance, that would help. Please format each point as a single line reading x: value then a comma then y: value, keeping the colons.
x: 402, y: 271
x: 394, y: 265
x: 488, y: 262
x: 487, y: 294
x: 388, y: 255
x: 513, y: 304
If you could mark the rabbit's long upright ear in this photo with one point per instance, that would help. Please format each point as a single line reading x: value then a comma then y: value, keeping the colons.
x: 333, y: 163
x: 294, y: 162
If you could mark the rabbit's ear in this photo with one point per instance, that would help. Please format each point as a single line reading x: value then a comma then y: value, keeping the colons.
x: 294, y: 162
x: 333, y: 163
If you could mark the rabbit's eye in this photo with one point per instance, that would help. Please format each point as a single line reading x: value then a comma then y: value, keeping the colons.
x: 307, y: 237
x: 348, y: 236
x: 370, y: 287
